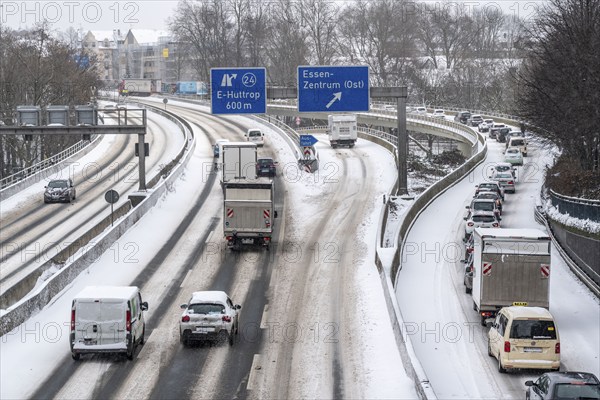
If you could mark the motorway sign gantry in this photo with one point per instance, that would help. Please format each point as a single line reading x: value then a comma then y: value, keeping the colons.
x: 307, y: 140
x: 238, y: 90
x: 333, y: 88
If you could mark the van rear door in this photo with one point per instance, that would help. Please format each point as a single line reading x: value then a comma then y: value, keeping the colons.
x: 101, y: 322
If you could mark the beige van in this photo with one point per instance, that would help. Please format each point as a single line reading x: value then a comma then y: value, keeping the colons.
x: 524, y: 338
x: 518, y: 141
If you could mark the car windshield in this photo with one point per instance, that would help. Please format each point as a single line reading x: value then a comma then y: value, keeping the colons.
x: 491, y: 186
x: 483, y: 206
x: 206, y: 308
x: 483, y: 218
x: 518, y: 142
x: 58, y: 184
x: 254, y: 133
x: 512, y: 151
x: 502, y: 168
x: 504, y: 176
x: 532, y: 329
x: 576, y: 390
x: 265, y: 163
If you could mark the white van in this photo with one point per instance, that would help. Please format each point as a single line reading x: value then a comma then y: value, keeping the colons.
x: 518, y: 141
x: 256, y: 136
x: 107, y: 319
x: 524, y: 338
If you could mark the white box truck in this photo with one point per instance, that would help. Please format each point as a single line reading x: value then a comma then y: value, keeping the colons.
x: 248, y: 212
x: 510, y: 267
x: 342, y: 130
x: 237, y: 160
x: 107, y: 319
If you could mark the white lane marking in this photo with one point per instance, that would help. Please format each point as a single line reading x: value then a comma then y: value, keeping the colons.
x: 264, y: 317
x: 254, y: 371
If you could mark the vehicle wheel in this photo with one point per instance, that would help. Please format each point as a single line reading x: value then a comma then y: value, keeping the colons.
x: 483, y: 321
x: 223, y: 337
x: 474, y: 306
x: 76, y: 356
x: 500, y: 368
x: 142, y: 340
x: 489, y: 349
x: 131, y: 353
x: 45, y: 201
x: 468, y: 290
x: 231, y: 338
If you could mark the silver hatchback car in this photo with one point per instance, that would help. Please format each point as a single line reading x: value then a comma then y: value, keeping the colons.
x: 506, y: 181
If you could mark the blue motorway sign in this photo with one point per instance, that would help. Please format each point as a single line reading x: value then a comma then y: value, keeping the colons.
x: 307, y: 140
x: 238, y: 90
x: 333, y: 88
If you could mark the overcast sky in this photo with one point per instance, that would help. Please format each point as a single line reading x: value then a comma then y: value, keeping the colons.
x: 88, y: 15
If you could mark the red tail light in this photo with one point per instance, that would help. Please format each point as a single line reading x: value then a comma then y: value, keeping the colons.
x: 511, y: 183
x: 226, y: 318
x: 557, y: 348
x: 470, y: 250
x: 507, y: 347
x: 267, y: 239
x: 495, y: 224
x: 185, y: 318
x: 72, y: 320
x: 228, y: 237
x: 128, y: 321
x: 470, y: 224
x: 267, y: 223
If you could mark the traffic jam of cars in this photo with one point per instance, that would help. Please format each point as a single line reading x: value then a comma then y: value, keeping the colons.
x: 511, y: 264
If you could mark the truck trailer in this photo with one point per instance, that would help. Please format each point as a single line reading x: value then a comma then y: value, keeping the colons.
x: 342, y: 130
x: 510, y: 267
x: 248, y: 212
x: 139, y: 87
x: 237, y: 160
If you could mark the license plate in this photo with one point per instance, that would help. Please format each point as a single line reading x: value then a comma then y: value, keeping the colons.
x: 520, y: 303
x: 204, y: 329
x: 532, y: 349
x: 265, y: 170
x: 247, y: 241
x: 90, y: 342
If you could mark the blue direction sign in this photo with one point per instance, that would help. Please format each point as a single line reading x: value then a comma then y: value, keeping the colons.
x: 333, y: 88
x: 307, y: 140
x: 238, y: 90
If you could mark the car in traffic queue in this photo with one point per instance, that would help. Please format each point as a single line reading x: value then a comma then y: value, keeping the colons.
x: 524, y: 337
x: 480, y: 219
x: 502, y: 134
x: 490, y: 194
x: 468, y: 275
x: 494, y: 129
x: 564, y: 385
x: 513, y: 156
x: 518, y: 141
x: 484, y: 205
x: 439, y: 113
x: 462, y: 117
x: 60, y: 191
x: 475, y: 120
x: 266, y: 167
x: 505, y: 167
x: 485, y: 125
x: 216, y: 148
x: 209, y: 316
x: 421, y: 110
x: 506, y: 181
x: 494, y: 186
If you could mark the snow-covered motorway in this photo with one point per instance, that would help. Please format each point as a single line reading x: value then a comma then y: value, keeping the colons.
x: 438, y: 314
x: 33, y: 232
x: 314, y: 322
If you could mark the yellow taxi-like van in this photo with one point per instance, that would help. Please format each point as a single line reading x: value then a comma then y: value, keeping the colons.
x: 524, y: 338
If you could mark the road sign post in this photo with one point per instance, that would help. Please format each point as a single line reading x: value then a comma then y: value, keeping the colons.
x: 238, y: 90
x: 333, y: 88
x: 307, y: 140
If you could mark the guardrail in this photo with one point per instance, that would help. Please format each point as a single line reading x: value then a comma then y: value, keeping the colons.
x: 50, y: 162
x: 576, y: 207
x: 36, y: 300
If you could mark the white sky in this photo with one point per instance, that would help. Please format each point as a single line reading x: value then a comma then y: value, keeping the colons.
x: 88, y: 15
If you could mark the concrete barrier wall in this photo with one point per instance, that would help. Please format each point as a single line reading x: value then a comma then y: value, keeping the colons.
x: 26, y: 307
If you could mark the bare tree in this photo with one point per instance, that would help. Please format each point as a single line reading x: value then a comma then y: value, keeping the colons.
x: 320, y: 19
x: 206, y: 26
x: 561, y: 79
x: 288, y: 46
x: 258, y: 26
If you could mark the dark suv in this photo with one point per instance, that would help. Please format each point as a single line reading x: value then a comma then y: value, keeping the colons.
x: 266, y: 167
x: 59, y: 191
x: 462, y: 116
